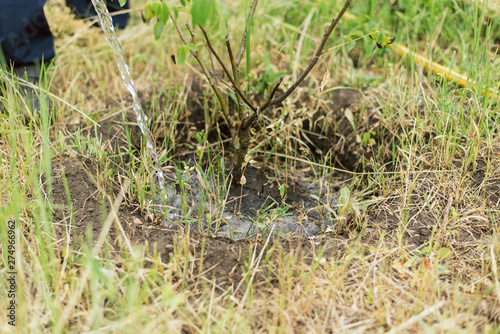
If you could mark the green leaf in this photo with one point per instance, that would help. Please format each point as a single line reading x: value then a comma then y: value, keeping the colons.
x: 200, y: 10
x: 374, y: 33
x: 181, y: 54
x: 444, y: 253
x: 201, y: 137
x: 183, y: 2
x: 158, y: 29
x: 352, y: 37
x: 344, y: 202
x: 192, y: 47
x: 368, y: 46
x: 344, y: 195
x: 159, y: 10
x: 424, y: 250
x: 351, y: 45
x: 381, y: 39
x: 199, y: 153
x: 163, y: 13
x: 356, y: 33
x: 149, y: 12
x: 122, y: 2
x: 269, y: 77
x: 176, y: 12
x: 365, y: 139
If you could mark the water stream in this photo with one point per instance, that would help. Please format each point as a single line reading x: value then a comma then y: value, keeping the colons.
x: 169, y: 196
x: 236, y: 226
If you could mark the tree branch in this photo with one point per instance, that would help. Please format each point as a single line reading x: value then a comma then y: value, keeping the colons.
x: 314, y: 60
x: 242, y: 48
x: 236, y: 76
x: 214, y: 74
x: 268, y: 102
x: 238, y: 91
x: 179, y: 31
x: 204, y: 70
x: 229, y: 50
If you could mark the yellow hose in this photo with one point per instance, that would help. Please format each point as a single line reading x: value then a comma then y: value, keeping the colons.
x: 439, y: 69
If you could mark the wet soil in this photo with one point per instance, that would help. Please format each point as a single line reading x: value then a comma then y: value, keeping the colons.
x: 224, y: 258
x: 259, y: 208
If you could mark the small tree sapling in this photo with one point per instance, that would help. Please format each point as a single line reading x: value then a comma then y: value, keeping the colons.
x: 246, y: 112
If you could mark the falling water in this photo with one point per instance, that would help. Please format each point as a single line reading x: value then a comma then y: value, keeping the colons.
x: 113, y: 41
x: 240, y: 227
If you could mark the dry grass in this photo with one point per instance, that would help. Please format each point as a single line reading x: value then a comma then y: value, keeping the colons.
x: 425, y: 258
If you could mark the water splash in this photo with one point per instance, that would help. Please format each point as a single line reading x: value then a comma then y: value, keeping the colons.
x: 170, y: 198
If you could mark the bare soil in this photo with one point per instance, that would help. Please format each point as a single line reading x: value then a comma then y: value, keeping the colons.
x: 224, y: 258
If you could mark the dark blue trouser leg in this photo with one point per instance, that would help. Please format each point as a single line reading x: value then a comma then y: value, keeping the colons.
x: 25, y: 36
x: 85, y: 9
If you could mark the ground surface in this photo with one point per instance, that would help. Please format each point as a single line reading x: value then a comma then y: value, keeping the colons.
x: 224, y: 258
x: 223, y: 255
x: 379, y: 179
